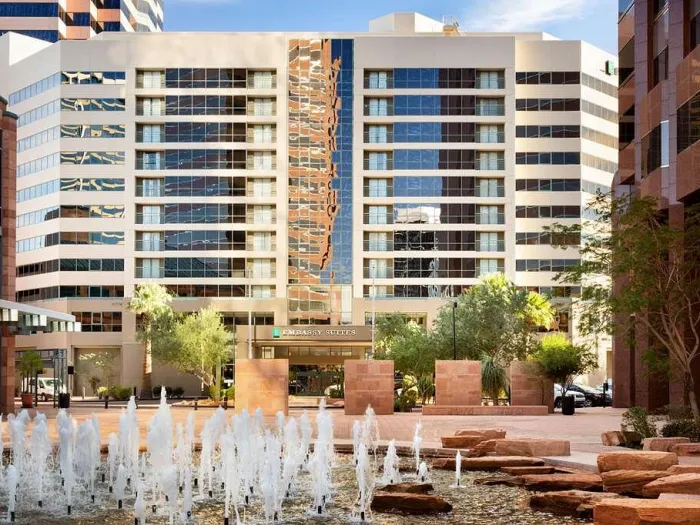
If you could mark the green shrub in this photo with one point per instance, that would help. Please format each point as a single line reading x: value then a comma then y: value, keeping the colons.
x: 406, y: 401
x: 120, y: 393
x: 229, y: 393
x: 682, y: 428
x: 637, y: 419
x: 678, y: 412
x: 156, y: 391
x: 178, y: 392
x: 337, y: 393
x: 101, y: 391
x: 425, y: 388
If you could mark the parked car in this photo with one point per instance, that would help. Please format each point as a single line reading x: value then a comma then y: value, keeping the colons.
x: 593, y: 397
x: 46, y: 387
x: 579, y: 398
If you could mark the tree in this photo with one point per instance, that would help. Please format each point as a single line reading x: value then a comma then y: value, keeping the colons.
x: 103, y: 362
x: 653, y: 265
x: 562, y: 361
x: 198, y: 344
x: 30, y: 363
x: 495, y: 321
x: 387, y: 329
x: 150, y: 301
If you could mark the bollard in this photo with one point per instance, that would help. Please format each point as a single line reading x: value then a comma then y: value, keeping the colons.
x: 106, y: 402
x: 83, y: 393
x: 225, y: 402
x: 136, y: 398
x: 196, y: 400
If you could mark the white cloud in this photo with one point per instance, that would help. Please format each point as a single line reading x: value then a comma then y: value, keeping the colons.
x: 522, y: 15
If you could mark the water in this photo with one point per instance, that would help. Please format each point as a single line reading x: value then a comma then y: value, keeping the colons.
x: 244, y: 473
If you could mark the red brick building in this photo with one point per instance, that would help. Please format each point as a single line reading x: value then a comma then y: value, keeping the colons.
x: 659, y: 108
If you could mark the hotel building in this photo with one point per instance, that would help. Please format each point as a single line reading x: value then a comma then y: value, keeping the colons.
x: 659, y: 108
x: 312, y: 179
x: 51, y: 20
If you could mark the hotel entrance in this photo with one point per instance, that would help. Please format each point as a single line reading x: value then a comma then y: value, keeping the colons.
x: 316, y: 354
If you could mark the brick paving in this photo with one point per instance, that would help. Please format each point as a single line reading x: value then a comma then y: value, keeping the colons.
x: 582, y: 429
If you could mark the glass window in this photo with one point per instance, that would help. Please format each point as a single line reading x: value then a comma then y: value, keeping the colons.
x: 378, y: 214
x: 378, y: 80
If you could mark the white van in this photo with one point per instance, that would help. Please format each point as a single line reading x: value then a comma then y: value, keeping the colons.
x: 46, y: 387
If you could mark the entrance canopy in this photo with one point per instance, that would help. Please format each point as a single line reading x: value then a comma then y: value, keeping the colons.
x: 28, y: 317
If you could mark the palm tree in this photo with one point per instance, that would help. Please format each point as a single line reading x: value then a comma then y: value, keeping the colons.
x: 150, y: 301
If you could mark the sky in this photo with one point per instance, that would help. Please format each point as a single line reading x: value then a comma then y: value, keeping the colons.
x: 594, y: 21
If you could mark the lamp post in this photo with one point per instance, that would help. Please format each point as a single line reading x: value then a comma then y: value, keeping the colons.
x: 454, y: 330
x: 373, y: 270
x: 249, y: 295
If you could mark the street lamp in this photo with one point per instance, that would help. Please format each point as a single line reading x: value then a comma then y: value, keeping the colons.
x: 454, y: 330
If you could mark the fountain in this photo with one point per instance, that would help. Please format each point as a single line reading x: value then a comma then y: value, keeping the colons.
x: 391, y: 472
x: 39, y: 449
x: 365, y: 482
x: 417, y: 440
x: 423, y: 472
x: 120, y: 486
x: 458, y: 471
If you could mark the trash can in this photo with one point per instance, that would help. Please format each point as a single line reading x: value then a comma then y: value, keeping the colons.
x: 568, y: 405
x: 63, y: 400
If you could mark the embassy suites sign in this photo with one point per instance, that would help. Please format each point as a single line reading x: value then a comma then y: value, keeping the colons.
x: 315, y: 333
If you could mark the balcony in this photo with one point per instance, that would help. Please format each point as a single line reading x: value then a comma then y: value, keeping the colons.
x: 148, y: 272
x: 490, y: 165
x: 265, y: 247
x: 492, y: 110
x: 384, y: 165
x: 490, y: 218
x: 152, y: 245
x: 382, y: 273
x: 150, y: 218
x: 500, y: 192
x: 484, y: 272
x: 270, y: 273
x: 490, y: 246
x: 387, y: 138
x: 150, y: 164
x: 487, y: 137
x: 491, y: 83
x: 144, y: 191
x: 375, y: 246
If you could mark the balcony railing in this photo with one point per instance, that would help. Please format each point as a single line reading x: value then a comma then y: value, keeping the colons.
x: 500, y: 83
x: 490, y: 218
x: 490, y: 246
x: 268, y: 274
x: 378, y: 166
x: 269, y: 247
x: 149, y: 272
x: 151, y: 164
x: 374, y: 246
x: 152, y: 245
x: 388, y: 138
x: 500, y: 192
x: 481, y: 273
x: 150, y: 218
x: 487, y: 137
x: 490, y: 165
x: 495, y: 110
x: 387, y: 273
x: 374, y: 194
x: 378, y: 220
x: 144, y: 191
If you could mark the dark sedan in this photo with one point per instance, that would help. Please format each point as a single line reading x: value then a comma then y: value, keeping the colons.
x: 594, y: 398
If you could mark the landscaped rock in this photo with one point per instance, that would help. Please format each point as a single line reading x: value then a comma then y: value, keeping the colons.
x: 483, y: 448
x: 614, y: 438
x: 663, y: 444
x: 508, y: 481
x: 407, y: 503
x: 521, y: 471
x: 532, y: 447
x: 647, y: 512
x: 487, y: 463
x: 546, y: 482
x: 630, y: 482
x: 684, y: 469
x: 577, y: 503
x: 686, y: 449
x: 674, y: 484
x: 409, y: 488
x: 691, y: 497
x: 638, y: 460
x: 460, y: 441
x: 486, y: 433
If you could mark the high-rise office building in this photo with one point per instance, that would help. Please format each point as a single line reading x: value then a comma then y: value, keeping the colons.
x: 659, y: 108
x: 79, y: 19
x: 316, y: 179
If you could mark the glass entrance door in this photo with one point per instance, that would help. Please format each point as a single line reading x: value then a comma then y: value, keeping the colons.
x: 313, y: 380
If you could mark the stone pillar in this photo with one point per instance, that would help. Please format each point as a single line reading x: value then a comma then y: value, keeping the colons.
x: 529, y: 389
x: 8, y: 180
x: 264, y: 384
x: 458, y: 383
x: 369, y: 383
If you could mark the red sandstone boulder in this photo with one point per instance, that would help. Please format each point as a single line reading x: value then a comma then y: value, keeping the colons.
x: 684, y: 469
x: 507, y: 481
x: 486, y: 433
x: 532, y: 447
x: 663, y: 444
x: 644, y: 460
x: 521, y: 471
x: 647, y: 512
x: 577, y: 503
x: 483, y: 448
x: 614, y: 438
x: 407, y: 503
x: 629, y: 482
x: 487, y: 463
x: 686, y: 449
x: 460, y: 441
x: 675, y: 484
x: 409, y: 488
x: 547, y: 482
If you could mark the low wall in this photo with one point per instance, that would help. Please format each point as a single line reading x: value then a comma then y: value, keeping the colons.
x: 435, y: 410
x: 458, y: 383
x: 262, y: 383
x: 369, y: 383
x: 527, y: 388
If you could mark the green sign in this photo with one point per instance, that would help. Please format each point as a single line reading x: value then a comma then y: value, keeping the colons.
x: 609, y: 67
x: 276, y: 333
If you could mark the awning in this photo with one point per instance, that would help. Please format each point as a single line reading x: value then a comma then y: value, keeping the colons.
x: 24, y: 315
